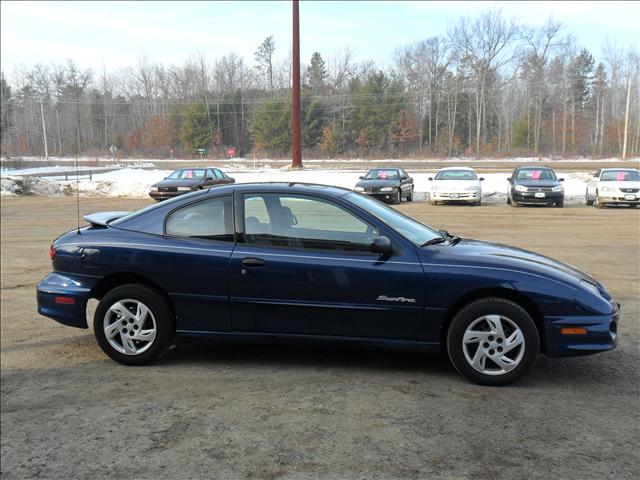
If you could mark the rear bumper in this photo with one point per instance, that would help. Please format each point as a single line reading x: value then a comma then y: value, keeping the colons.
x: 530, y: 198
x: 64, y: 299
x: 602, y: 334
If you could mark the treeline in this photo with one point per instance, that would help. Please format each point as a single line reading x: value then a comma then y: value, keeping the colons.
x: 489, y: 87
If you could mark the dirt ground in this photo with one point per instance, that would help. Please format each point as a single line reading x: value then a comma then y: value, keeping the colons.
x: 268, y: 412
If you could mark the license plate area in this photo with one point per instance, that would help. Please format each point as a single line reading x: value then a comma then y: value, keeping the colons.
x: 629, y: 197
x: 539, y: 195
x: 455, y: 195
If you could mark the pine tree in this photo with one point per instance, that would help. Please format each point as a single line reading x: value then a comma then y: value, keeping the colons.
x: 195, y: 127
x: 270, y: 126
x: 312, y: 123
x: 316, y: 74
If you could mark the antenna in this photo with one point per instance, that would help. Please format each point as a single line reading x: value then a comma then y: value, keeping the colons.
x: 77, y: 167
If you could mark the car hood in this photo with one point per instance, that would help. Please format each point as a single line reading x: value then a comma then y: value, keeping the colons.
x: 185, y: 182
x: 620, y: 184
x: 455, y: 184
x: 374, y: 182
x: 471, y: 253
x: 537, y: 183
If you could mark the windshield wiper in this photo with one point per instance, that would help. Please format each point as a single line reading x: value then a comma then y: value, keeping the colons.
x: 434, y: 241
x: 453, y: 239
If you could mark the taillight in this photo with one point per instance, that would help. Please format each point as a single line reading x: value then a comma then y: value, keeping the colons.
x: 52, y: 252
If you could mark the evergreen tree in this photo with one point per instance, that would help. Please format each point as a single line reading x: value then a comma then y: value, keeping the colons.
x: 312, y: 123
x: 195, y: 127
x: 270, y: 126
x: 264, y: 57
x: 580, y: 76
x: 316, y: 74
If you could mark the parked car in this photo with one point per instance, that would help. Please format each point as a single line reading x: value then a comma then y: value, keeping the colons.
x: 389, y: 184
x: 456, y: 184
x: 186, y: 180
x: 289, y: 262
x: 612, y: 186
x: 535, y: 186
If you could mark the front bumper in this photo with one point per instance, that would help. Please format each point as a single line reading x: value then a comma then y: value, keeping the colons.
x: 530, y: 197
x: 602, y: 334
x: 64, y: 299
x: 622, y: 198
x: 441, y: 196
x: 385, y: 196
x: 159, y: 196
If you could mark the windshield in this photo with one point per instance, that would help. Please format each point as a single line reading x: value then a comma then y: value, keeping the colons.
x: 620, y: 176
x: 187, y: 173
x: 535, y: 174
x: 382, y: 175
x: 409, y: 228
x: 456, y: 175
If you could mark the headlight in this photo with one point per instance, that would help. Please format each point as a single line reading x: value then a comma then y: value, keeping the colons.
x: 557, y: 188
x: 154, y: 189
x: 521, y: 188
x: 386, y: 189
x: 591, y: 288
x: 359, y: 189
x: 609, y: 189
x: 472, y: 189
x: 184, y: 189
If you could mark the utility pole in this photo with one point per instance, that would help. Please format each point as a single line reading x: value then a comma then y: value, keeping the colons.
x: 44, y: 133
x: 296, y: 150
x: 626, y: 119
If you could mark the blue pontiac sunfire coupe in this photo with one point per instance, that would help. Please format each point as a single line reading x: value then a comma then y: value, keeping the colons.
x: 311, y: 262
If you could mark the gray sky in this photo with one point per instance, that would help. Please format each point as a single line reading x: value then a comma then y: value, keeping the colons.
x: 119, y: 33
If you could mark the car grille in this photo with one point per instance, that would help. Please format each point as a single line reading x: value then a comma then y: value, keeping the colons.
x: 630, y: 190
x: 539, y: 189
x: 167, y: 189
x: 455, y: 195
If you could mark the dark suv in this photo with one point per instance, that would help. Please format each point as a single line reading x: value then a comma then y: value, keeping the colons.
x: 535, y: 186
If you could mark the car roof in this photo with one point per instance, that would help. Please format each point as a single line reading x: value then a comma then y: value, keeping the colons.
x: 384, y: 168
x: 621, y: 168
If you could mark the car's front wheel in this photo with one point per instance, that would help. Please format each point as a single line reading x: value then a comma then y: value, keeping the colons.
x: 493, y: 341
x: 133, y: 324
x: 397, y: 197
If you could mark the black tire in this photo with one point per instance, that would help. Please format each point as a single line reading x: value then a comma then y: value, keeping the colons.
x: 508, y: 201
x: 514, y: 204
x: 492, y: 306
x: 597, y: 202
x: 410, y: 196
x: 433, y: 202
x: 560, y: 204
x: 586, y: 198
x: 159, y: 308
x: 477, y: 204
x: 397, y: 197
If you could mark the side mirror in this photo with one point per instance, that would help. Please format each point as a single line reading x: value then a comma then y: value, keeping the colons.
x: 509, y: 179
x: 361, y: 178
x: 481, y: 179
x: 381, y: 244
x: 431, y: 179
x: 561, y: 179
x: 208, y: 179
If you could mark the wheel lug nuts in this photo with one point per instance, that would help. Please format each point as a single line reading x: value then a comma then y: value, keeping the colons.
x: 491, y: 338
x: 499, y: 340
x: 124, y: 322
x: 135, y: 327
x: 124, y: 330
x: 491, y: 352
x: 131, y: 320
x: 499, y: 349
x: 485, y: 345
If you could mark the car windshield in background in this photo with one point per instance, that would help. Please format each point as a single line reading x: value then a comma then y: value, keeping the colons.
x: 456, y: 175
x: 620, y: 176
x: 409, y: 228
x: 536, y: 174
x: 187, y: 174
x: 382, y: 175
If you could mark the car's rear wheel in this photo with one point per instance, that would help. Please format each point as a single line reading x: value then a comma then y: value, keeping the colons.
x: 133, y: 324
x: 410, y: 196
x: 586, y: 198
x: 493, y: 341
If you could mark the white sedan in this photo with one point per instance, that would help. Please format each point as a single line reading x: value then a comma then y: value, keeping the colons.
x: 456, y: 184
x: 611, y: 186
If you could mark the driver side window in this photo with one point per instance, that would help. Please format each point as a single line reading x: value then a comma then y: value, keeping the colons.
x: 299, y: 221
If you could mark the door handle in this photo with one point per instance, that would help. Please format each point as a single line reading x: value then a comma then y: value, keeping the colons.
x: 253, y: 262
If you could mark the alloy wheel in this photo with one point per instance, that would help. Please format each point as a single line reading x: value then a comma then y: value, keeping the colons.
x: 130, y: 327
x: 493, y: 344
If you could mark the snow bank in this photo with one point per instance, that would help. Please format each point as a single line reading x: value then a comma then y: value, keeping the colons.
x: 135, y: 182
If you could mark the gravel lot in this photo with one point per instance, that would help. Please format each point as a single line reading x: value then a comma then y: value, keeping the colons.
x: 267, y: 412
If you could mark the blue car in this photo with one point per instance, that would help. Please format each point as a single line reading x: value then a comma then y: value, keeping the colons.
x: 300, y: 262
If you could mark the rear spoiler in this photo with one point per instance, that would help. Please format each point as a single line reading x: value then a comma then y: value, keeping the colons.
x: 101, y: 219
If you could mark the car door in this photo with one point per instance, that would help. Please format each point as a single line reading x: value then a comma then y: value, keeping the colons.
x: 196, y: 247
x: 303, y: 265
